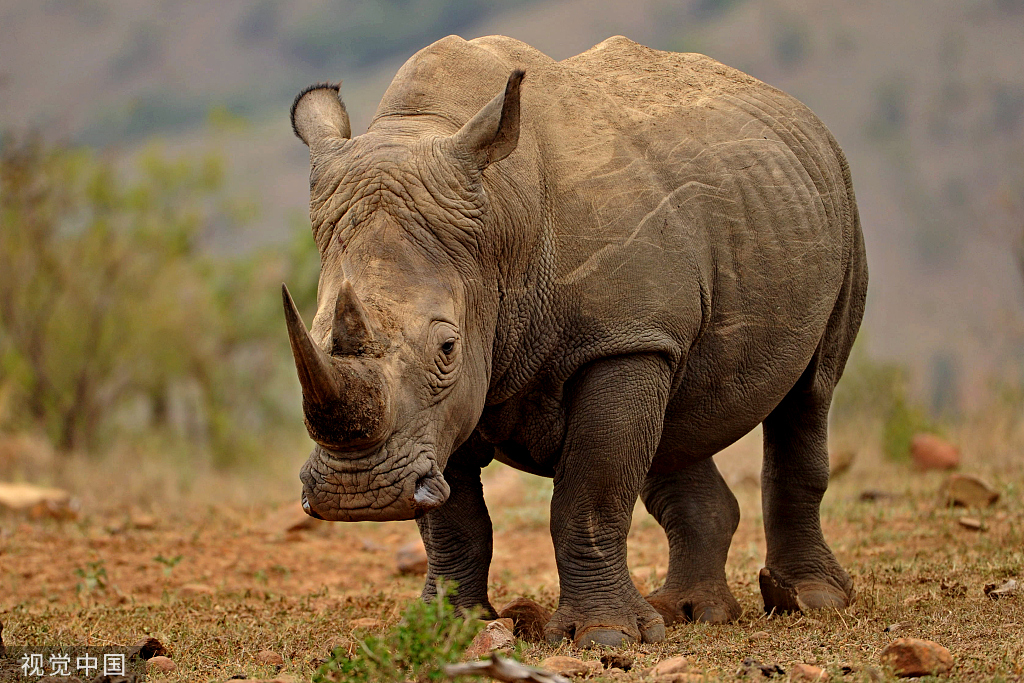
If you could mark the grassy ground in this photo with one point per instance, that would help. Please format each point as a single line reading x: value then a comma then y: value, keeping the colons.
x: 219, y: 581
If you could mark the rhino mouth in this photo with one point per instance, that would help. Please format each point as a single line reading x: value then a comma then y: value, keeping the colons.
x: 377, y: 487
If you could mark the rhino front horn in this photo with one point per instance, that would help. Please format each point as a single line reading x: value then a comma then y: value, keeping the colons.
x: 344, y: 400
x: 316, y: 372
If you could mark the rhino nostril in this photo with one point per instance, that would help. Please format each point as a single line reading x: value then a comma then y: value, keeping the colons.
x: 431, y: 491
x: 308, y: 508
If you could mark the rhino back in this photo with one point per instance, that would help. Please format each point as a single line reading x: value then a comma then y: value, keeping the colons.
x: 686, y: 208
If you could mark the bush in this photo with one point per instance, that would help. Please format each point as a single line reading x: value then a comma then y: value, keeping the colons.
x: 429, y: 636
x: 114, y: 319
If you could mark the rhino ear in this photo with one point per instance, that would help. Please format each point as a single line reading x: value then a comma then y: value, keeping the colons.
x: 318, y: 115
x: 493, y: 133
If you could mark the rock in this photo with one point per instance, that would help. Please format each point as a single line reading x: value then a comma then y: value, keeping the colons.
x: 839, y: 462
x: 672, y: 665
x: 367, y: 623
x: 758, y: 635
x: 617, y: 660
x: 995, y: 591
x: 162, y: 664
x: 528, y: 618
x: 143, y: 521
x: 412, y: 558
x: 752, y: 668
x: 150, y: 647
x: 971, y: 523
x: 287, y: 519
x: 680, y: 678
x: 371, y: 546
x: 874, y: 496
x: 965, y: 490
x: 933, y: 453
x: 566, y: 666
x: 914, y: 657
x: 495, y: 636
x: 807, y: 672
x: 269, y: 658
x: 195, y: 590
x: 38, y: 501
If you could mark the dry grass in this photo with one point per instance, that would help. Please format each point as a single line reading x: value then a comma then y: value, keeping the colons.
x: 298, y: 593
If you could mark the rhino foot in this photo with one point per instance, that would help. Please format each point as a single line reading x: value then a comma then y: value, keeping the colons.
x: 807, y: 594
x: 645, y: 627
x: 709, y: 604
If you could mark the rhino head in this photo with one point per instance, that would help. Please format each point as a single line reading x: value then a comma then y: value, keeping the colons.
x: 395, y: 368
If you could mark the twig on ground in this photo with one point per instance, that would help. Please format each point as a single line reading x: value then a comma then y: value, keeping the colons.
x: 505, y: 670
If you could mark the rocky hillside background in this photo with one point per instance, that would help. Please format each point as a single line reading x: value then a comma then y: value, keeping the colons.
x: 926, y: 98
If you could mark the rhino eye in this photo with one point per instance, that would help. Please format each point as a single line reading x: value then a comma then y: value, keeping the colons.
x: 448, y: 347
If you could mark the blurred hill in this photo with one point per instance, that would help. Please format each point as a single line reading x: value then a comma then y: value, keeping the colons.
x: 927, y: 99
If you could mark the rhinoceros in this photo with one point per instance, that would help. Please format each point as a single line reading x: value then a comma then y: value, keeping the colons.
x: 602, y: 270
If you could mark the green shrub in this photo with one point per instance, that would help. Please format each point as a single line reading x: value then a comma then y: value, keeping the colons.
x: 115, y: 321
x: 429, y: 636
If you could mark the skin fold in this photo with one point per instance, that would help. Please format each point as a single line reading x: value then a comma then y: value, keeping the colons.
x: 602, y: 270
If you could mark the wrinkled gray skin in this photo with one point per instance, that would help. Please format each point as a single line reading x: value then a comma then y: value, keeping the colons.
x: 605, y: 276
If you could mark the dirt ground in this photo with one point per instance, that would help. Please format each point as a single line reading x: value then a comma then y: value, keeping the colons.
x: 219, y: 583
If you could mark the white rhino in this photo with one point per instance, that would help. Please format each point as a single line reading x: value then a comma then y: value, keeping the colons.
x: 603, y: 273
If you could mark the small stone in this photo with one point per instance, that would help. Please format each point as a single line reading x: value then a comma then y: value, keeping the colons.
x: 874, y: 496
x: 971, y: 523
x: 366, y: 623
x: 680, y: 678
x: 807, y: 672
x: 143, y: 521
x: 566, y: 666
x: 617, y: 660
x: 753, y: 668
x: 914, y: 657
x: 195, y: 590
x: 150, y: 647
x: 839, y: 462
x: 968, y: 491
x: 528, y: 618
x: 758, y: 635
x: 933, y: 453
x: 495, y: 636
x: 1005, y: 590
x: 371, y: 546
x: 162, y: 664
x: 269, y: 658
x: 288, y: 519
x: 672, y: 665
x: 412, y: 558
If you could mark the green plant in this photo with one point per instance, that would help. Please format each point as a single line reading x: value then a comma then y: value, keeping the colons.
x: 116, y: 323
x: 93, y: 575
x: 429, y: 636
x: 169, y: 563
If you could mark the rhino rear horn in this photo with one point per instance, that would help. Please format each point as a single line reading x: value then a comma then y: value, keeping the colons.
x: 319, y: 116
x: 351, y: 329
x: 493, y: 133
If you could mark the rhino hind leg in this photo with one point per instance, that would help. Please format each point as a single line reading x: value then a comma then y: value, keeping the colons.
x: 699, y: 514
x: 458, y: 536
x: 800, y: 571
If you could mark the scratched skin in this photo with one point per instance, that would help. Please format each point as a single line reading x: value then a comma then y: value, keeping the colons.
x: 603, y: 273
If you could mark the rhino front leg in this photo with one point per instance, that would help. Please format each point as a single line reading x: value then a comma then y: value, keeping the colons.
x: 699, y: 514
x: 800, y: 571
x: 457, y: 536
x: 616, y: 411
